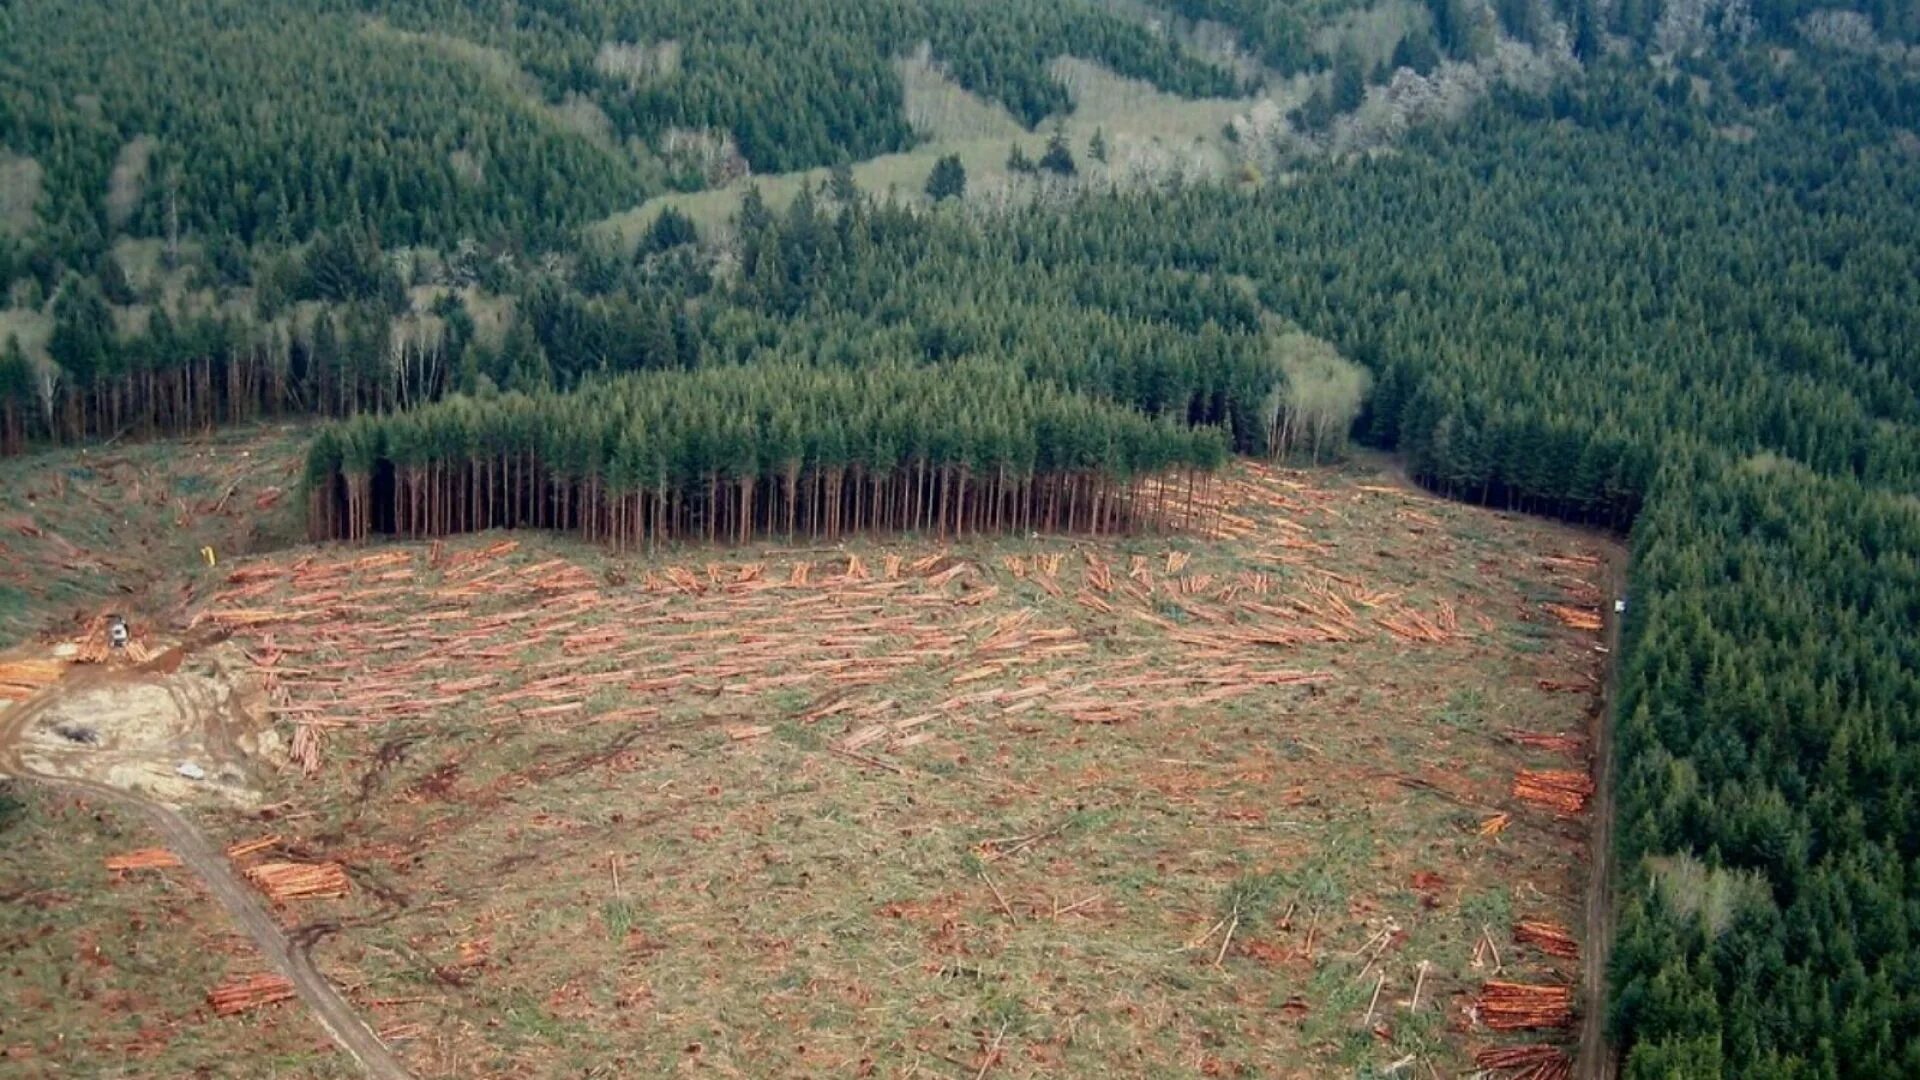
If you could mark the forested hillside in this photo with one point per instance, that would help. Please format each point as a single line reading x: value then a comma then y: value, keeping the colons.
x: 431, y: 121
x: 1673, y: 291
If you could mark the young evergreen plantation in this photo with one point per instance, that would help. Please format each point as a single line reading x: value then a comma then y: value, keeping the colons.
x: 1680, y: 298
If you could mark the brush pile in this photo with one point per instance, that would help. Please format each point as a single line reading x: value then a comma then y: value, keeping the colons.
x: 248, y: 992
x: 1549, y: 938
x: 1505, y: 1006
x: 1562, y: 791
x: 285, y: 881
x: 1535, y: 1062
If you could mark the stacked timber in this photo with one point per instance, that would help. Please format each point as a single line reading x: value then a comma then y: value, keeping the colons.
x: 248, y: 992
x: 299, y: 881
x: 1563, y: 791
x: 1505, y: 1006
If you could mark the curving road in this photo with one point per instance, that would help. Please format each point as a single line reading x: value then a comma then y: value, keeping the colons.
x: 1595, y: 1059
x: 203, y: 858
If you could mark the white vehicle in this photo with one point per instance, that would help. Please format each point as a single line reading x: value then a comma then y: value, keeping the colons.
x: 191, y: 771
x: 1619, y: 607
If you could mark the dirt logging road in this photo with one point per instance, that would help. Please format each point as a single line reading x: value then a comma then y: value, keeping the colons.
x: 200, y: 856
x: 1596, y: 1056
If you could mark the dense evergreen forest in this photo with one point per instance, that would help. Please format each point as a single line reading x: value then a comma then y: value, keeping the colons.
x: 430, y: 121
x: 1679, y: 298
x: 769, y: 449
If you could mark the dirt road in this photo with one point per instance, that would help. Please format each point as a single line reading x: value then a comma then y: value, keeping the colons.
x: 1595, y: 1059
x: 206, y: 860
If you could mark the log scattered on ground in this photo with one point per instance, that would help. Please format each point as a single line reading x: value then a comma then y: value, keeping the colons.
x: 1576, y: 618
x: 144, y: 859
x: 1533, y: 1062
x: 1550, y: 938
x: 248, y: 992
x: 244, y: 848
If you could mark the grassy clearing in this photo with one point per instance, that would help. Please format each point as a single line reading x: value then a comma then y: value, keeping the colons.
x: 1151, y: 135
x: 631, y: 814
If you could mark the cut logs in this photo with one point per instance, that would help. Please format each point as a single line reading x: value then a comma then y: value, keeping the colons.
x: 1562, y: 744
x: 1560, y: 790
x: 21, y: 679
x: 1575, y: 618
x: 144, y: 859
x: 1534, y: 1062
x: 248, y: 992
x: 244, y: 848
x: 1505, y: 1006
x: 299, y: 881
x: 1550, y: 938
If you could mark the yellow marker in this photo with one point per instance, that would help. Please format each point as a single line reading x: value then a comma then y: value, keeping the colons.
x: 207, y: 553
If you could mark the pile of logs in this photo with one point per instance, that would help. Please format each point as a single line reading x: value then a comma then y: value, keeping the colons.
x: 1560, y: 790
x: 299, y: 881
x: 243, y: 848
x: 248, y: 992
x: 1505, y: 1006
x: 1549, y: 938
x: 22, y: 679
x: 1536, y: 1062
x: 1575, y: 618
x: 144, y: 859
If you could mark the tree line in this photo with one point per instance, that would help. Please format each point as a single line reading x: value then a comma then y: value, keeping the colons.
x: 736, y: 453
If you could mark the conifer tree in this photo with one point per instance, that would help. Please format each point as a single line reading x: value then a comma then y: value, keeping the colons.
x: 948, y: 180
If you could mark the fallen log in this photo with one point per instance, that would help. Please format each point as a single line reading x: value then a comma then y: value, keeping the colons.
x: 144, y: 859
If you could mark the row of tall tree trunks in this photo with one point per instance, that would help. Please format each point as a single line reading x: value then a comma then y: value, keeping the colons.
x: 518, y: 491
x: 199, y: 395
